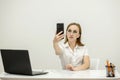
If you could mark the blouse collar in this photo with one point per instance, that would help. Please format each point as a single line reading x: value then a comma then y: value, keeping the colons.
x: 67, y: 46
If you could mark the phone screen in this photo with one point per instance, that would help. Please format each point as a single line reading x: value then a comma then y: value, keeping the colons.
x: 60, y: 27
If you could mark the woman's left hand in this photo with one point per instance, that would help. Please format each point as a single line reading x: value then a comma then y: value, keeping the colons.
x: 71, y: 67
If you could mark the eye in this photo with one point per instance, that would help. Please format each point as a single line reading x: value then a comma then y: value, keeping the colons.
x: 74, y: 31
x: 69, y: 30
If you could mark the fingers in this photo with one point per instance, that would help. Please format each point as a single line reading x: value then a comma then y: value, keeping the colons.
x: 58, y: 37
x: 69, y: 67
x: 59, y: 33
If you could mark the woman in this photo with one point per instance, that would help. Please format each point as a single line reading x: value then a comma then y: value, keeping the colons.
x: 73, y: 54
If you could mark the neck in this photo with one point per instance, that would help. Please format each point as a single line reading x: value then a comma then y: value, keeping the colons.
x: 72, y: 44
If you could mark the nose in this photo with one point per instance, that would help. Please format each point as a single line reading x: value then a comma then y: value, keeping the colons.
x: 71, y: 33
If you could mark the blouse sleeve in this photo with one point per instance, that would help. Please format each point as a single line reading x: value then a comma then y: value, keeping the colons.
x: 85, y: 50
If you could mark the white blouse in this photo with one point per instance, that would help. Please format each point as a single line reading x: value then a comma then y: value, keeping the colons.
x: 68, y: 56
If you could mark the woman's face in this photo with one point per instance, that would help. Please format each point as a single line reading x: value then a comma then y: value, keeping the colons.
x: 73, y: 33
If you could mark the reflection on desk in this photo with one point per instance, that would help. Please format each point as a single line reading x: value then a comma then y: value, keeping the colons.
x: 64, y: 75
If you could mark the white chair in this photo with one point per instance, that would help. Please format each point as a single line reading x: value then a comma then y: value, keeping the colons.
x: 94, y: 63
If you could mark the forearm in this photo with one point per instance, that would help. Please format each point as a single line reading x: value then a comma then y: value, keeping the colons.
x: 57, y: 49
x: 82, y: 67
x: 85, y: 65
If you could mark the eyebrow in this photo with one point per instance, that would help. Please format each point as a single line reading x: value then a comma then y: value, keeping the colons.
x: 72, y: 30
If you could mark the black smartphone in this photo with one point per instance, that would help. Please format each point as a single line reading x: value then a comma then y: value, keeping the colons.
x: 60, y: 27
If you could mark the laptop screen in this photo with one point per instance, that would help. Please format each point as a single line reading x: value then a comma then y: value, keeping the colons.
x: 16, y: 61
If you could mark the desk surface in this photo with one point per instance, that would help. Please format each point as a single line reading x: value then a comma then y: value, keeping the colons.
x: 65, y: 74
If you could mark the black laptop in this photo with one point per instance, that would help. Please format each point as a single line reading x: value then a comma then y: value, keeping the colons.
x: 18, y: 62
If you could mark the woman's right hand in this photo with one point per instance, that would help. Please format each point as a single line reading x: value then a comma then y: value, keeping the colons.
x: 58, y: 37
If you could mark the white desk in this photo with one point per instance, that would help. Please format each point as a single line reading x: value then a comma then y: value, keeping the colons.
x: 64, y: 75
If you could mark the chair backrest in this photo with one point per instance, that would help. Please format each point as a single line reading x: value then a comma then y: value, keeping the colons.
x: 94, y: 63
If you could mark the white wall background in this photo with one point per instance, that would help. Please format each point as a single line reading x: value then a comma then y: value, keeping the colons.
x: 31, y: 24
